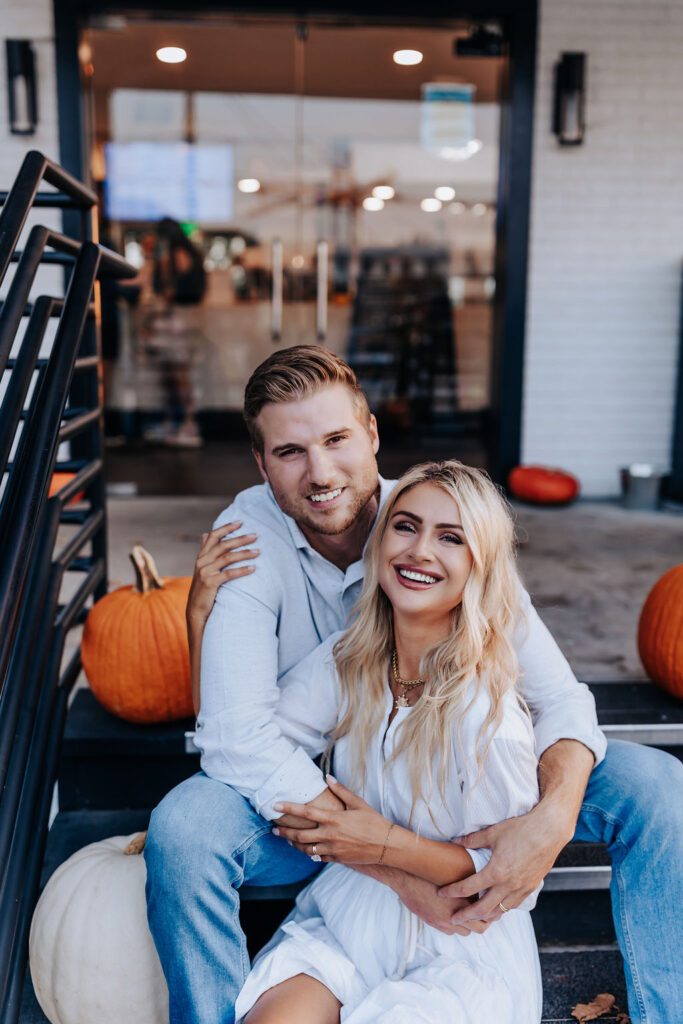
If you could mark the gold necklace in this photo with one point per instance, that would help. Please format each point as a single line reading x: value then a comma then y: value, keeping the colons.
x: 406, y: 684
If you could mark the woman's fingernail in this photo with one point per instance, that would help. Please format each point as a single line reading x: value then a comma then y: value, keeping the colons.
x: 330, y: 777
x: 276, y: 831
x: 277, y: 807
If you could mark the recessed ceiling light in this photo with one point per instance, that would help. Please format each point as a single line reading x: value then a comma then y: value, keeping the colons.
x: 430, y: 205
x: 373, y: 204
x: 249, y: 185
x: 479, y: 209
x: 456, y: 208
x: 171, y: 55
x: 474, y: 145
x: 445, y: 193
x: 407, y: 57
x: 383, y: 192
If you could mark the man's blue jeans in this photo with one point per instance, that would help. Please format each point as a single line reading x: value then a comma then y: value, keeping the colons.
x: 205, y: 840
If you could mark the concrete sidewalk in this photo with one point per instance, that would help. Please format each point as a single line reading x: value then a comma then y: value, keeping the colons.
x: 589, y: 567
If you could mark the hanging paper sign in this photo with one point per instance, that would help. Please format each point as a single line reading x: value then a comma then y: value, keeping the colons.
x: 447, y: 115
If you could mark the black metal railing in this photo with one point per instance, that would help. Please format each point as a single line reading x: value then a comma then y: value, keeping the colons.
x: 48, y: 400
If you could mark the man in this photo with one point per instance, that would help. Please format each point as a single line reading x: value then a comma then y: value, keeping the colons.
x: 315, y: 443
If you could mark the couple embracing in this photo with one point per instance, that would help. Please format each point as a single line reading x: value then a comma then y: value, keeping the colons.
x: 385, y: 627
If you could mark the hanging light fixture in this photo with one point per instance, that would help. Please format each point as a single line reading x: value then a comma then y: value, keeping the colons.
x: 21, y: 87
x: 383, y: 192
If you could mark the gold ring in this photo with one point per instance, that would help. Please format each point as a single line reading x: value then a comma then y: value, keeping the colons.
x: 504, y: 908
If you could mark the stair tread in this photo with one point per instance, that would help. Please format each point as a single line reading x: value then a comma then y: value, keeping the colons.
x: 89, y: 726
x: 635, y: 704
x: 569, y: 977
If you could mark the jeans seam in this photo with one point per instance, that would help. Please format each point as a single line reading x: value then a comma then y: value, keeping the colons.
x: 627, y: 938
x: 261, y: 831
x: 244, y: 956
x: 637, y: 987
x: 603, y: 814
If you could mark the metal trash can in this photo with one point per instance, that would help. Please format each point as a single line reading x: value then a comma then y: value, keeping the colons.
x: 640, y: 485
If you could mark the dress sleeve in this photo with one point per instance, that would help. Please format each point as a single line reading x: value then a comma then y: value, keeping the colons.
x: 506, y: 785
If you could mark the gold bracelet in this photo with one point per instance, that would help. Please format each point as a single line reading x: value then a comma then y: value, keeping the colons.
x: 384, y: 848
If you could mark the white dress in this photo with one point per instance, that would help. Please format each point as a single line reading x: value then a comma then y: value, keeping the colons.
x: 352, y: 932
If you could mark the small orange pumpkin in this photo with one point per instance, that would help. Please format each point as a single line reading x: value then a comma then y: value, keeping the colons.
x: 660, y: 632
x: 60, y: 480
x: 543, y: 486
x: 135, y: 651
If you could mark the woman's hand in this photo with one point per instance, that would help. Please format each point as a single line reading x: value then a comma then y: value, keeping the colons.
x: 356, y: 835
x: 216, y: 563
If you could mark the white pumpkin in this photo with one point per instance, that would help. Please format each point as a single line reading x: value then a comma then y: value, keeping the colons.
x: 92, y: 955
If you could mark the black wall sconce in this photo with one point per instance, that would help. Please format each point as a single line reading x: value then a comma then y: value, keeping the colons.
x: 568, y: 101
x: 21, y: 87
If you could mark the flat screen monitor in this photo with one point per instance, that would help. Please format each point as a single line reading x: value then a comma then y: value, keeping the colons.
x: 150, y: 180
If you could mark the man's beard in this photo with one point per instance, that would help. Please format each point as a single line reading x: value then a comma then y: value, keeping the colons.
x: 300, y: 513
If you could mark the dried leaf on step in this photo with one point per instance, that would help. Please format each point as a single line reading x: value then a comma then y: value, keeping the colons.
x: 601, y: 1005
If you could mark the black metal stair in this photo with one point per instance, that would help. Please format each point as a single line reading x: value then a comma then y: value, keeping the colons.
x: 112, y: 773
x: 45, y: 400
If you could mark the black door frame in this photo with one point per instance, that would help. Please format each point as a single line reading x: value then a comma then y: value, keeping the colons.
x: 519, y: 18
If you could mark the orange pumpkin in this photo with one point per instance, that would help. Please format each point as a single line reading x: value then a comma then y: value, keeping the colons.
x: 60, y: 480
x: 660, y: 632
x: 543, y: 486
x: 135, y: 650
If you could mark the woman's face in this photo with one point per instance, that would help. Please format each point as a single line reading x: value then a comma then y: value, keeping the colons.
x: 424, y: 559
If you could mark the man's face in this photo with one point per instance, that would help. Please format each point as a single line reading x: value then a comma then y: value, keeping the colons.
x: 319, y: 458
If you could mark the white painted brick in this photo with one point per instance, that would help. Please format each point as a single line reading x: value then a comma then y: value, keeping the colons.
x: 606, y: 244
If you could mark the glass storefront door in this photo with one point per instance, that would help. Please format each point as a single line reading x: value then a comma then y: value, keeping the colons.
x: 336, y: 196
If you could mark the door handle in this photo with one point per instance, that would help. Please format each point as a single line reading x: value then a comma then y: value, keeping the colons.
x: 276, y: 295
x: 321, y: 297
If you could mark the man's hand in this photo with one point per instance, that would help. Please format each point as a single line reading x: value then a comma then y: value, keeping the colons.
x: 524, y: 850
x: 325, y: 801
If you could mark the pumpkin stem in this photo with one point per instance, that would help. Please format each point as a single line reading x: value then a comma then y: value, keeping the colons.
x: 137, y: 844
x: 146, y: 575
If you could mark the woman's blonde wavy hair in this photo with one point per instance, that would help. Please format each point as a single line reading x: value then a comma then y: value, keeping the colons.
x: 479, y: 646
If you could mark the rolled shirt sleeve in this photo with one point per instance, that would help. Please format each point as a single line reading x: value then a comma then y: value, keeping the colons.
x: 561, y: 707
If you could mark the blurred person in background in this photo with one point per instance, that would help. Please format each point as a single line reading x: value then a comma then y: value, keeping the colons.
x: 178, y: 282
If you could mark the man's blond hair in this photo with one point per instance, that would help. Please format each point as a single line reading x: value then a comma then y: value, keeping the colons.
x: 295, y: 373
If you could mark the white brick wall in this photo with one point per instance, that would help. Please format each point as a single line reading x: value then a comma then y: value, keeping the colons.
x: 31, y: 19
x: 606, y: 244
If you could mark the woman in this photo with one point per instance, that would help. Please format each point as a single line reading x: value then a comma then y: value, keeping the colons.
x: 418, y: 700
